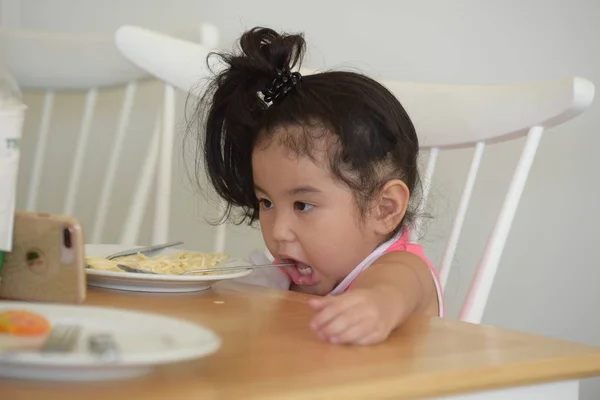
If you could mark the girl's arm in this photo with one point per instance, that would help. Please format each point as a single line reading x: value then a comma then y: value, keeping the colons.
x: 381, y: 298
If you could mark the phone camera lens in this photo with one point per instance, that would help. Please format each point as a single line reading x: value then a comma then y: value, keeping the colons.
x: 67, y: 238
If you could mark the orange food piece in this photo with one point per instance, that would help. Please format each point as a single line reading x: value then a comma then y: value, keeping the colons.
x: 23, y: 322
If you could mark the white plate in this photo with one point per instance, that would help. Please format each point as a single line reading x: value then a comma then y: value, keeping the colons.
x: 149, y: 282
x: 164, y: 340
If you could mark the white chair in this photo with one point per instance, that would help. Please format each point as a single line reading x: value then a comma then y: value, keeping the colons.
x: 183, y: 62
x: 446, y: 117
x: 450, y: 117
x: 55, y: 62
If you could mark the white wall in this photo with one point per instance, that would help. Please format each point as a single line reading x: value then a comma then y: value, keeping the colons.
x: 545, y: 284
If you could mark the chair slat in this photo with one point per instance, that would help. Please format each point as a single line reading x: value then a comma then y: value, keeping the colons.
x: 141, y: 196
x: 431, y: 162
x: 460, y: 215
x: 220, y: 234
x: 479, y: 291
x: 209, y: 37
x: 163, y: 185
x: 82, y: 140
x: 111, y: 168
x: 40, y: 152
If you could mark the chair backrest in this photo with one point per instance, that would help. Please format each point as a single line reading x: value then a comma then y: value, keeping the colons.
x: 446, y: 117
x: 178, y: 62
x: 55, y: 62
x: 449, y: 117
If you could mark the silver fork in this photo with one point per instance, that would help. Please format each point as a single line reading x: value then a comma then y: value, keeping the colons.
x: 147, y: 250
x: 62, y: 339
x: 127, y: 268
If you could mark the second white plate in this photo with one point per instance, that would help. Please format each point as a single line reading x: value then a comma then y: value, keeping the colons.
x: 149, y: 282
x: 145, y: 340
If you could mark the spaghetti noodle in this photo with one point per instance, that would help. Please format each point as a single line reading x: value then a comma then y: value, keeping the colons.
x: 161, y: 264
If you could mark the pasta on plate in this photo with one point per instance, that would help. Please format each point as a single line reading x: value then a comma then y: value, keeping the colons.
x: 174, y: 264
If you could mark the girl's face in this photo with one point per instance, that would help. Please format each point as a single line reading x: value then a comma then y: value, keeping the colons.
x: 309, y: 218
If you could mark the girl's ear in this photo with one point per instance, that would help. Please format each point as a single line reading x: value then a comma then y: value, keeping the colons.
x: 390, y: 206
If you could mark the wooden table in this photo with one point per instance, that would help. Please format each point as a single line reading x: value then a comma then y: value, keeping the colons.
x: 268, y: 352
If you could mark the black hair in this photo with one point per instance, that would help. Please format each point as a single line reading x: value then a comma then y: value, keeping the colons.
x: 370, y: 137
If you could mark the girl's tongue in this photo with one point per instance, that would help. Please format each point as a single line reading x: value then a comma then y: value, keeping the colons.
x: 302, y: 274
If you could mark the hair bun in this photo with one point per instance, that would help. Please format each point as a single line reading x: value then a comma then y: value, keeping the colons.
x: 231, y: 108
x: 269, y: 51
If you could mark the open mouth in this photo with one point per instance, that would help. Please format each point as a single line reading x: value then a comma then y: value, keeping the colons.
x: 301, y: 273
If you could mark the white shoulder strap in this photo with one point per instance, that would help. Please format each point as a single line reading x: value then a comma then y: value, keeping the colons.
x: 366, y: 263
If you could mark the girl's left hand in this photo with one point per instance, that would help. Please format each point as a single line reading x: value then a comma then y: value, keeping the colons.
x: 359, y: 316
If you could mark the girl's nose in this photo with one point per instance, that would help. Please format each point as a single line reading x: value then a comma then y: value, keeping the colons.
x: 283, y: 230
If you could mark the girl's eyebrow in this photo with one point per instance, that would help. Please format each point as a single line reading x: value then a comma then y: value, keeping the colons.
x: 259, y: 189
x: 303, y: 190
x: 294, y: 191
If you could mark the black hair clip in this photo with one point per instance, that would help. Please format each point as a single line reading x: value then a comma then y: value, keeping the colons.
x: 281, y: 85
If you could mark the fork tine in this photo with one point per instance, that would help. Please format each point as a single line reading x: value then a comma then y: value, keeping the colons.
x: 69, y: 339
x: 72, y: 338
x: 62, y: 338
x: 53, y: 338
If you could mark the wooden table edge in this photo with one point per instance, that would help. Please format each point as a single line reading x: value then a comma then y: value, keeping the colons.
x: 448, y: 384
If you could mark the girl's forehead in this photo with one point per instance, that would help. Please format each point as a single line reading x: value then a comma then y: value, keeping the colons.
x: 293, y: 147
x: 277, y: 156
x: 277, y: 168
x: 311, y: 140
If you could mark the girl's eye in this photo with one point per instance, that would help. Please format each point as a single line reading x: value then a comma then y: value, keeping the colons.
x: 266, y: 204
x: 301, y: 206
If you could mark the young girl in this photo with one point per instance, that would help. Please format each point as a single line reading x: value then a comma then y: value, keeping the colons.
x: 327, y: 163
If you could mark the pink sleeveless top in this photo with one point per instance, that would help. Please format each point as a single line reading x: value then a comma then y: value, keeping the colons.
x: 399, y: 242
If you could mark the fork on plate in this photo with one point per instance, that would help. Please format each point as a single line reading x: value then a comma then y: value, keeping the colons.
x: 62, y: 339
